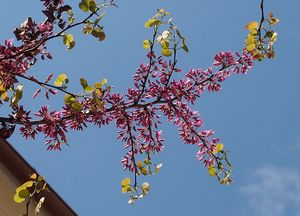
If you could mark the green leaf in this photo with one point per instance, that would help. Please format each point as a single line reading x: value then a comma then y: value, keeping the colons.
x: 24, y: 193
x: 18, y: 199
x: 93, y: 6
x: 103, y: 82
x: 89, y: 89
x: 18, y: 95
x: 84, y: 6
x: 147, y: 161
x: 69, y: 99
x: 179, y: 34
x: 68, y: 41
x: 184, y: 47
x: 76, y: 106
x: 27, y: 184
x: 166, y: 52
x: 97, y: 85
x: 219, y: 147
x: 165, y: 44
x: 83, y: 83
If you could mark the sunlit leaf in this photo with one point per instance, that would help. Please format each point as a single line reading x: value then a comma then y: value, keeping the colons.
x: 125, y: 182
x: 140, y: 164
x: 18, y: 95
x: 97, y: 85
x: 211, y: 171
x: 252, y: 27
x: 219, y: 147
x: 60, y: 80
x: 18, y: 199
x: 166, y: 52
x: 89, y: 89
x: 126, y: 189
x: 33, y: 176
x: 69, y: 99
x: 152, y: 22
x: 68, y: 41
x: 76, y: 106
x: 103, y: 82
x: 146, y: 44
x: 4, y: 95
x: 165, y: 44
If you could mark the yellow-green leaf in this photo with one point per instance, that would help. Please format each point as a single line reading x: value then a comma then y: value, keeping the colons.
x: 252, y: 27
x: 126, y: 189
x: 18, y: 95
x: 166, y: 52
x: 33, y: 176
x: 2, y: 89
x: 84, y: 5
x: 184, y: 47
x: 69, y: 99
x: 97, y: 85
x: 165, y: 44
x: 152, y: 22
x: 219, y: 147
x: 62, y: 77
x: 83, y: 83
x: 211, y: 171
x: 89, y: 89
x: 146, y: 44
x: 250, y: 47
x: 18, y: 199
x: 76, y: 106
x: 93, y: 6
x: 4, y: 95
x: 103, y: 82
x: 60, y: 80
x: 125, y: 182
x: 68, y: 41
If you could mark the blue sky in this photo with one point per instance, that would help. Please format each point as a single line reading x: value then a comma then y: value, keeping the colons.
x: 256, y: 115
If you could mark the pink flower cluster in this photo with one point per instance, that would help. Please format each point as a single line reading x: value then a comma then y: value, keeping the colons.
x: 137, y: 113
